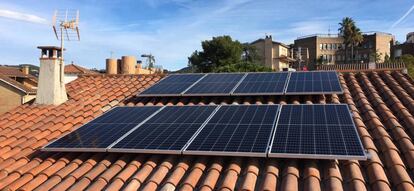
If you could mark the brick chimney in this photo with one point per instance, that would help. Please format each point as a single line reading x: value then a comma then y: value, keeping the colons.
x: 51, y: 87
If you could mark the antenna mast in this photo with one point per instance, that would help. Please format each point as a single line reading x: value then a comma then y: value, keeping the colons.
x: 66, y: 26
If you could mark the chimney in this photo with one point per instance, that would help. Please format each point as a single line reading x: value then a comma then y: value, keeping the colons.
x: 51, y: 86
x: 25, y: 69
x: 268, y: 51
x: 111, y: 66
x: 128, y: 64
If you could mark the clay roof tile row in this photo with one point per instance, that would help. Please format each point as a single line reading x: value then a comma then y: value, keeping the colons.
x: 381, y: 104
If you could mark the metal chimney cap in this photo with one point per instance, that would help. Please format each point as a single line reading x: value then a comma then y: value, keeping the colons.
x: 50, y: 47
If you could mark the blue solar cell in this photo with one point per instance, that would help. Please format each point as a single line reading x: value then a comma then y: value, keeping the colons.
x: 236, y: 130
x: 324, y: 82
x: 262, y: 84
x: 172, y: 85
x: 98, y: 134
x: 316, y: 131
x: 215, y: 84
x: 167, y: 131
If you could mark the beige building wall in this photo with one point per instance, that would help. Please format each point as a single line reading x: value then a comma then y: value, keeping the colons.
x: 9, y: 97
x: 331, y: 49
x: 383, y: 44
x: 272, y: 53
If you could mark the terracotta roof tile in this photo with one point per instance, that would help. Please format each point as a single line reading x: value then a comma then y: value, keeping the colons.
x: 381, y: 103
x: 75, y: 69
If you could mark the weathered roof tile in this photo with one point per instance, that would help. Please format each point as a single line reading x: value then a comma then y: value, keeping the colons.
x: 381, y: 104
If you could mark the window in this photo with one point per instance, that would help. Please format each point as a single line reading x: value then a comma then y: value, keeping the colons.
x: 334, y: 46
x: 321, y: 46
x: 326, y: 46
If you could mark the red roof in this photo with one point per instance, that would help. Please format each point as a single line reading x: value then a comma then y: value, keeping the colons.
x: 382, y: 105
x: 8, y: 75
x: 75, y: 69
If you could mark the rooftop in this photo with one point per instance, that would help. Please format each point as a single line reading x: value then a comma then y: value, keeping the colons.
x: 337, y: 35
x: 76, y: 69
x: 382, y: 104
x: 9, y: 76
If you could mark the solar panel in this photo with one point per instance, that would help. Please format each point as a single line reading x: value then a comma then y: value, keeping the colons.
x: 319, y: 82
x: 167, y: 132
x: 262, y: 84
x: 172, y: 85
x: 243, y: 130
x: 215, y: 84
x: 98, y: 134
x: 316, y: 131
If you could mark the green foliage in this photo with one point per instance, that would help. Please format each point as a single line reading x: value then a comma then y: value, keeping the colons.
x: 376, y: 56
x: 243, y: 67
x: 409, y: 62
x: 223, y: 54
x: 352, y: 35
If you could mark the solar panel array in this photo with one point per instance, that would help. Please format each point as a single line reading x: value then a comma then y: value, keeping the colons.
x: 314, y: 131
x: 101, y: 132
x: 167, y: 132
x: 262, y: 84
x: 173, y: 85
x: 225, y: 84
x: 302, y: 131
x: 236, y: 130
x: 215, y: 84
x: 313, y: 83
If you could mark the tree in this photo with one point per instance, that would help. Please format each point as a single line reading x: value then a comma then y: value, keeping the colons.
x: 376, y: 56
x: 223, y: 54
x: 352, y: 35
x: 409, y: 63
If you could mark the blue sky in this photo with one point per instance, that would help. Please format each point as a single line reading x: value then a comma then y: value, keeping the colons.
x: 172, y: 29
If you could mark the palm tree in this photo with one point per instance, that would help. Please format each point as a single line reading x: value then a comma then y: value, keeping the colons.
x: 352, y: 35
x: 356, y: 39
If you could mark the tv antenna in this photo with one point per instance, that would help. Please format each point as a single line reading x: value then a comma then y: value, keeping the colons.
x: 150, y: 60
x: 66, y: 27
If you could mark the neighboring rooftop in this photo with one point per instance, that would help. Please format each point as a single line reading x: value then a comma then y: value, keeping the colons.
x: 18, y: 79
x: 382, y: 104
x: 274, y: 42
x: 337, y: 35
x: 14, y: 72
x: 75, y: 69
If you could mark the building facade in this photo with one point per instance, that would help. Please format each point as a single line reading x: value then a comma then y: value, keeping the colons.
x: 329, y: 49
x: 406, y: 48
x: 273, y: 54
x: 17, y: 87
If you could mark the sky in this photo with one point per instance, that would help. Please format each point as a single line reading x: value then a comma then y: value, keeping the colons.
x: 172, y: 29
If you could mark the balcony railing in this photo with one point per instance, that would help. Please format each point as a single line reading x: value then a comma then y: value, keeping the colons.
x: 364, y: 67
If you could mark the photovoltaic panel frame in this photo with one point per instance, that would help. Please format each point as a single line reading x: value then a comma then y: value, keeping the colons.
x: 167, y: 132
x: 266, y: 83
x: 313, y: 82
x: 98, y: 134
x: 172, y: 85
x: 215, y: 84
x: 236, y: 130
x: 301, y: 132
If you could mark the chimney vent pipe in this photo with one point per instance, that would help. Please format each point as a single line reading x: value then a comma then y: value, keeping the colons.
x: 128, y: 64
x: 111, y: 66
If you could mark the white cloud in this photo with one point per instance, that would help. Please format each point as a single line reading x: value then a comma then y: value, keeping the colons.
x: 403, y: 17
x: 311, y: 27
x: 22, y: 17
